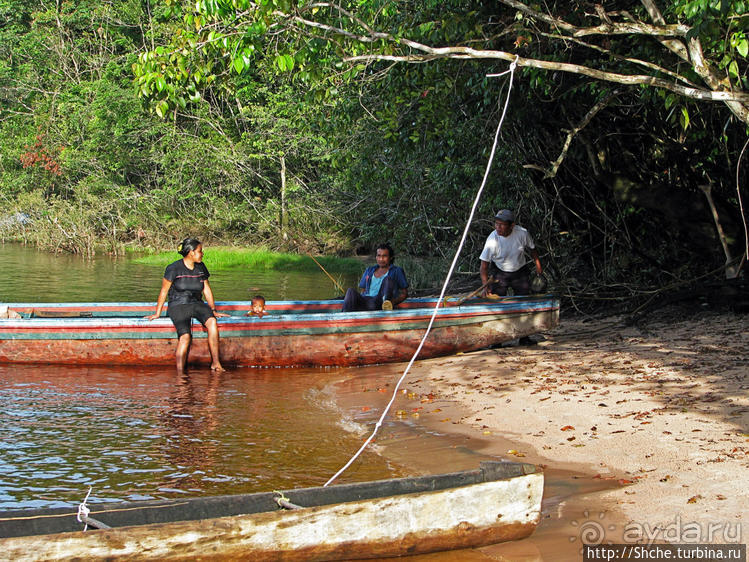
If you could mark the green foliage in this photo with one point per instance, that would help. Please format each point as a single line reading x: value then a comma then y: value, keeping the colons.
x: 221, y: 257
x: 227, y: 94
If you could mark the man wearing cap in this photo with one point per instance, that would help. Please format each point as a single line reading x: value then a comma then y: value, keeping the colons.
x: 505, y: 249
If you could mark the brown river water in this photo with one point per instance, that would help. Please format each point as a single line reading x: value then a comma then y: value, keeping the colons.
x: 141, y: 433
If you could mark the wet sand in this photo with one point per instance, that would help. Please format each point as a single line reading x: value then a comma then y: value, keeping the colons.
x: 643, y: 432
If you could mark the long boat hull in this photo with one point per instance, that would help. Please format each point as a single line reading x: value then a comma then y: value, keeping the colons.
x: 498, y: 502
x: 294, y: 333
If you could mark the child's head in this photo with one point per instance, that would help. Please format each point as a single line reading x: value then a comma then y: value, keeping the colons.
x: 258, y: 304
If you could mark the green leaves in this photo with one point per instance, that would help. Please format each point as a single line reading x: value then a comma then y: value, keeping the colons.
x: 684, y: 117
x: 284, y: 62
x: 740, y: 43
x: 161, y: 108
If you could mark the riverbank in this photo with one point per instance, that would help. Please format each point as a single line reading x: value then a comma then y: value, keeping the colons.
x: 658, y: 415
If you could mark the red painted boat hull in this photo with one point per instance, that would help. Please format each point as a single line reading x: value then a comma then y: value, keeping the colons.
x: 305, y: 333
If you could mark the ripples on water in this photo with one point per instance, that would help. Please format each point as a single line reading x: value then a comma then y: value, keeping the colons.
x: 148, y: 433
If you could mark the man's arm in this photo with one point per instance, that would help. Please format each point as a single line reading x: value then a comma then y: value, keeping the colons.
x: 484, y: 271
x: 400, y: 279
x: 534, y: 255
x: 402, y: 295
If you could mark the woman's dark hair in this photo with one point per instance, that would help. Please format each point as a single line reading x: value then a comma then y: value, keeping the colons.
x: 389, y: 248
x: 188, y: 245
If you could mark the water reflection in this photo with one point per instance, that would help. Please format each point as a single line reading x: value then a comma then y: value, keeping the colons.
x: 117, y: 279
x: 188, y: 421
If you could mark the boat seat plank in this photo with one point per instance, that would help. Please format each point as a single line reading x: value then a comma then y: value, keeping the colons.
x: 40, y: 313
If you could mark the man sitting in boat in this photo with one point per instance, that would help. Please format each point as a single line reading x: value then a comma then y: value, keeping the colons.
x: 383, y: 286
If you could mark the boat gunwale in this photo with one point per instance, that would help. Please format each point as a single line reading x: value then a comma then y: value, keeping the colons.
x: 265, y: 502
x: 542, y: 303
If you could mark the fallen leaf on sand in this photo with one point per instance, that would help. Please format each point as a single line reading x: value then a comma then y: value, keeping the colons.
x: 567, y: 428
x: 694, y: 499
x: 516, y: 453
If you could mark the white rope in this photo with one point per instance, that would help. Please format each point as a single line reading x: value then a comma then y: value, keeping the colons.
x: 83, y: 511
x: 741, y: 207
x: 511, y: 71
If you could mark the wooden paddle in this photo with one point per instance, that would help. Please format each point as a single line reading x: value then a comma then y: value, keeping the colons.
x: 476, y: 292
x: 343, y: 291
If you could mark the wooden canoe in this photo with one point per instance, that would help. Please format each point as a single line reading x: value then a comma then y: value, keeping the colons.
x: 500, y: 501
x: 294, y: 333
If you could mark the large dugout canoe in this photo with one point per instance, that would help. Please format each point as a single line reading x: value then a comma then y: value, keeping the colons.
x: 498, y: 502
x: 294, y: 333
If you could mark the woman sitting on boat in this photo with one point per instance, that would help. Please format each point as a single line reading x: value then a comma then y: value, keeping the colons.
x: 383, y: 286
x: 185, y: 282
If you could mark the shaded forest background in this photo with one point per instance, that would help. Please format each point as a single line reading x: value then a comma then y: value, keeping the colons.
x: 269, y: 152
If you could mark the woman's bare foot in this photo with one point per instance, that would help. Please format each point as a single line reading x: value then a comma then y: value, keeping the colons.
x: 217, y: 368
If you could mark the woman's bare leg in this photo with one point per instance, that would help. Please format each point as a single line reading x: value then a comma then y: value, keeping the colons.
x: 183, y: 348
x: 213, y: 344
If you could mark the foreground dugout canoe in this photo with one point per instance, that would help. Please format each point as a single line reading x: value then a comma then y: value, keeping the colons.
x: 498, y: 502
x: 294, y: 333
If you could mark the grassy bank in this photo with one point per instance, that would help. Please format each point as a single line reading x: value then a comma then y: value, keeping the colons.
x: 225, y: 257
x: 425, y: 276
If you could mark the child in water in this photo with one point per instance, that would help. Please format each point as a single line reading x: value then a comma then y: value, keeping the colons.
x: 258, y: 306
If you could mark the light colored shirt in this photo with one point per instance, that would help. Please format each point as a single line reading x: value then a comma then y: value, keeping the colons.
x: 508, y: 252
x: 375, y: 284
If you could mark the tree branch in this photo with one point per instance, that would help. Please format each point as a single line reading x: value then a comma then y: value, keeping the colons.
x: 609, y: 27
x: 673, y: 45
x: 630, y: 60
x: 551, y: 172
x: 628, y: 79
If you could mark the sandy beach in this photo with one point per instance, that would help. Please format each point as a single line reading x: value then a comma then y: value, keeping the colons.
x: 650, y: 421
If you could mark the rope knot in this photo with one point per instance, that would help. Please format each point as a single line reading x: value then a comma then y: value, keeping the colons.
x: 514, y: 64
x: 83, y: 511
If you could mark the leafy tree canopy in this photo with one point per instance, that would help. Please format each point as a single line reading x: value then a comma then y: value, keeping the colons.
x: 694, y: 48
